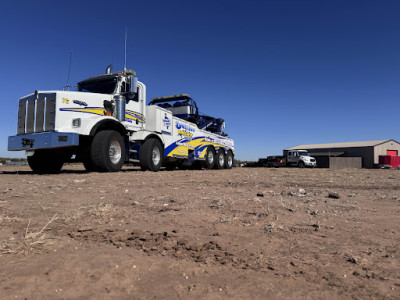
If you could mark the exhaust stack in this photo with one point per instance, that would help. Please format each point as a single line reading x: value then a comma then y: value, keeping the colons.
x: 108, y: 69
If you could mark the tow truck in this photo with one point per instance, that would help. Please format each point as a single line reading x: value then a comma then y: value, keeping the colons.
x: 106, y: 123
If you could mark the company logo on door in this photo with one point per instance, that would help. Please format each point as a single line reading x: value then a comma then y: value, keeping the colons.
x: 166, y: 121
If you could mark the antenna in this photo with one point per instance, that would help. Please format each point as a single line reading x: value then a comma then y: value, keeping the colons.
x: 126, y: 37
x: 66, y: 88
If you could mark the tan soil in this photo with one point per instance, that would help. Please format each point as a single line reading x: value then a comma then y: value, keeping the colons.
x: 200, y: 234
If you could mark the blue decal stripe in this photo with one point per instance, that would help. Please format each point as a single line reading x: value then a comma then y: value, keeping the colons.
x: 140, y: 117
x: 131, y: 114
x: 82, y: 112
x: 172, y: 147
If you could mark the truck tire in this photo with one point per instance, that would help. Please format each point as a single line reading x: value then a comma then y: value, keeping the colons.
x: 151, y: 155
x: 107, y: 151
x: 228, y: 160
x: 46, y: 162
x: 301, y: 164
x: 210, y: 158
x: 220, y: 160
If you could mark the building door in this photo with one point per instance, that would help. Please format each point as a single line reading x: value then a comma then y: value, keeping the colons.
x: 391, y: 152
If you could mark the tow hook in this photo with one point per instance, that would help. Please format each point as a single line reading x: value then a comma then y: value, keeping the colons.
x: 28, y: 142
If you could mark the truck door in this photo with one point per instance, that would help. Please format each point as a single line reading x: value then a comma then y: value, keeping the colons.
x: 290, y: 157
x: 295, y: 156
x: 134, y: 108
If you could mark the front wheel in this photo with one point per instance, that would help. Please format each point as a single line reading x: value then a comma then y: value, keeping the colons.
x: 107, y: 151
x: 46, y: 162
x: 151, y: 155
x: 301, y: 164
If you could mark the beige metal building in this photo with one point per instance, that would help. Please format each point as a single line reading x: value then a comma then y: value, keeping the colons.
x: 368, y: 151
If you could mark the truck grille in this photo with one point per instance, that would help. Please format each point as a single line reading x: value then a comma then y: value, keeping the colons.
x: 36, y: 115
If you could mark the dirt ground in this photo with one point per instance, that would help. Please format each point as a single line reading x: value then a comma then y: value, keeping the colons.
x: 241, y: 233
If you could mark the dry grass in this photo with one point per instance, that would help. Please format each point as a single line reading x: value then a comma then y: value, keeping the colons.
x: 32, y: 241
x: 272, y: 227
x: 98, y: 211
x: 7, y: 219
x: 102, y: 210
x: 35, y: 240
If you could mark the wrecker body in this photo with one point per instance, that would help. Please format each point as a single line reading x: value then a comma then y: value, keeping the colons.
x: 106, y: 123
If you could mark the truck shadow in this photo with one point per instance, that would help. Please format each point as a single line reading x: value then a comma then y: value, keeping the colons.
x: 62, y: 172
x: 32, y: 173
x: 84, y: 172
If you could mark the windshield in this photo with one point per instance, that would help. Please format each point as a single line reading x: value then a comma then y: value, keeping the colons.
x: 304, y: 154
x: 102, y: 86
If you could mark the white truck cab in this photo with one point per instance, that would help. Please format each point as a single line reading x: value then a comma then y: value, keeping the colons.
x: 300, y: 158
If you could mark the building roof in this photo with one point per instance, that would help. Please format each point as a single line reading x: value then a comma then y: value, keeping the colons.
x: 330, y: 153
x: 341, y: 145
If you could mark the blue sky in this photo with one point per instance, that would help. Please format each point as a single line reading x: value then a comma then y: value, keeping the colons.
x: 281, y: 73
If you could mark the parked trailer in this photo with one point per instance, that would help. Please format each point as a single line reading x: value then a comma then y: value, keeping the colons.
x: 107, y: 123
x: 293, y: 158
x: 389, y: 161
x: 275, y: 161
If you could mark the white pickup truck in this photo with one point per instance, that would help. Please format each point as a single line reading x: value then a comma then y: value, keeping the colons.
x: 299, y: 158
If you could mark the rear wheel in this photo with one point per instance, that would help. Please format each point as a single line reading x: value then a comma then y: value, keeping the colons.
x: 107, y: 152
x: 210, y: 158
x: 229, y: 160
x: 220, y: 159
x: 46, y: 162
x: 151, y: 155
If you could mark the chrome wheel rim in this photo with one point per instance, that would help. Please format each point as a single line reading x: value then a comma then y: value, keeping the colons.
x: 156, y: 156
x: 115, y: 152
x: 210, y: 157
x: 230, y: 160
x: 221, y: 159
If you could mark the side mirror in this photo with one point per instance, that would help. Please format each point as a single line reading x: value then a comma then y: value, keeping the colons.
x: 133, y: 85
